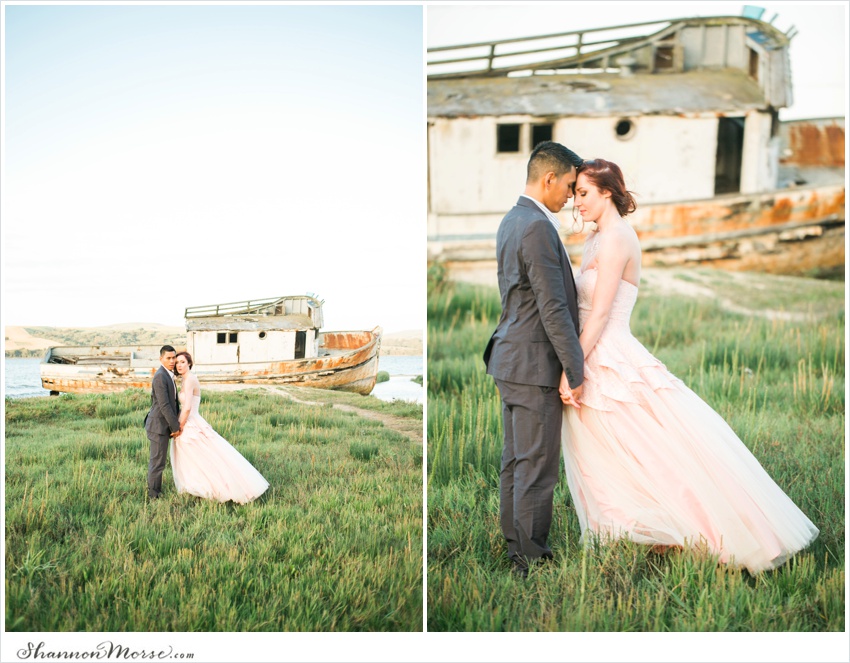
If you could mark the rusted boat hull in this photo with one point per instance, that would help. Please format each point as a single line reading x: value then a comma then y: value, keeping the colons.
x: 789, y: 231
x: 351, y: 365
x: 348, y: 361
x: 793, y: 231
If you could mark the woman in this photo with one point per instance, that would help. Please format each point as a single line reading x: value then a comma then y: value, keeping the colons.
x: 645, y: 457
x: 204, y: 463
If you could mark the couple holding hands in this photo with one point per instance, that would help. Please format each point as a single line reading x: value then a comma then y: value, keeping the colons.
x: 645, y: 457
x: 204, y: 464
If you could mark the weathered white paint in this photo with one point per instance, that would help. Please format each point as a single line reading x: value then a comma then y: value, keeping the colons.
x: 278, y: 345
x: 760, y: 158
x: 205, y: 349
x: 666, y: 158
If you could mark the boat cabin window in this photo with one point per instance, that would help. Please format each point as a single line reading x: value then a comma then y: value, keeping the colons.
x: 625, y: 129
x: 754, y: 64
x: 664, y: 57
x: 507, y: 137
x: 226, y: 337
x: 540, y: 133
x: 262, y: 335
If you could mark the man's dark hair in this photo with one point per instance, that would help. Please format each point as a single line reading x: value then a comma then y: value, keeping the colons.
x: 164, y: 349
x: 550, y: 156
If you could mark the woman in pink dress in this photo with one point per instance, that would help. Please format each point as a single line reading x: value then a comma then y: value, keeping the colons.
x: 646, y: 458
x: 203, y: 462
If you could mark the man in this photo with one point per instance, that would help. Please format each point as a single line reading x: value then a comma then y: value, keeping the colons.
x: 534, y: 355
x: 162, y: 422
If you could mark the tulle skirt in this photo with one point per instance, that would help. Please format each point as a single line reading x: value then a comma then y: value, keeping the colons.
x: 206, y: 465
x: 649, y: 460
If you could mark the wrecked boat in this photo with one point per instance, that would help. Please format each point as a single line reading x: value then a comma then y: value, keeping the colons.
x: 265, y: 341
x: 687, y: 107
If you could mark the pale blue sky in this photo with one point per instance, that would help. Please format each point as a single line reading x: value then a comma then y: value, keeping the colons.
x: 158, y: 157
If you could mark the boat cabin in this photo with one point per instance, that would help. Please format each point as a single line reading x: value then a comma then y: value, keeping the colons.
x: 687, y: 107
x: 254, y: 331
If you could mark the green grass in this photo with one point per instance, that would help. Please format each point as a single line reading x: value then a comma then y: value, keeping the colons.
x: 779, y: 384
x: 335, y: 544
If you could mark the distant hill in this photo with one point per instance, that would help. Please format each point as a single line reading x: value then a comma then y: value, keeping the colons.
x: 33, y: 341
x: 402, y: 343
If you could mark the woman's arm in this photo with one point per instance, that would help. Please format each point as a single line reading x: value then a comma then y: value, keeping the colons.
x: 191, y: 385
x: 611, y: 262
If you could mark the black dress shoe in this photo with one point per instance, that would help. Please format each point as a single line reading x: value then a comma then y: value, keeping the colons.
x: 519, y: 569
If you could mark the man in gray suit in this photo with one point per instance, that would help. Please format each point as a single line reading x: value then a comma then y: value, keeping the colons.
x: 162, y: 421
x: 534, y: 355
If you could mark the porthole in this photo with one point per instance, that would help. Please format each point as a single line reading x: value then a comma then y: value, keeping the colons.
x: 625, y: 129
x: 262, y: 335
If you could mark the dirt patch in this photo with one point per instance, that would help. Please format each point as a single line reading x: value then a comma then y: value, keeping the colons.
x: 694, y: 283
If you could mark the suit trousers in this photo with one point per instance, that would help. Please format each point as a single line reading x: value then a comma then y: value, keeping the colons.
x: 530, y: 463
x: 156, y: 465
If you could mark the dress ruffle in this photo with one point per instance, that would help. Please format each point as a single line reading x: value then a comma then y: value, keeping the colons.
x: 647, y: 459
x: 206, y: 465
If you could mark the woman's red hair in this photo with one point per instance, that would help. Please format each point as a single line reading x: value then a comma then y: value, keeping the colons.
x: 607, y: 176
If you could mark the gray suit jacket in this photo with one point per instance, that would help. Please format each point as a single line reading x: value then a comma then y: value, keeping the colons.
x: 163, y: 417
x: 537, y: 334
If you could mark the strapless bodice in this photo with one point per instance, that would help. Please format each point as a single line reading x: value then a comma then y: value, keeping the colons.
x: 621, y: 307
x: 188, y: 400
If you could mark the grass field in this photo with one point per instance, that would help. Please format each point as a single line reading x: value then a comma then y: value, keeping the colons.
x: 777, y: 379
x: 335, y: 544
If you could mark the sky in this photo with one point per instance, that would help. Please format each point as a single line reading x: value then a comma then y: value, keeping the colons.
x: 164, y: 156
x: 818, y: 50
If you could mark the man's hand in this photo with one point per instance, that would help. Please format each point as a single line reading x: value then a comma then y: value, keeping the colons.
x: 569, y: 396
x: 577, y: 392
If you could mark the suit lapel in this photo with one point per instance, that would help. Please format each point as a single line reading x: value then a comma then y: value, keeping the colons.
x: 173, y: 387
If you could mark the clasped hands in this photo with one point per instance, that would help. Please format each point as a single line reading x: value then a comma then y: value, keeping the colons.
x: 570, y: 396
x: 177, y: 432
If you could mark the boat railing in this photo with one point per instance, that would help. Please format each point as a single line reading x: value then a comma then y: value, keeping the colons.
x: 570, y: 50
x: 269, y: 306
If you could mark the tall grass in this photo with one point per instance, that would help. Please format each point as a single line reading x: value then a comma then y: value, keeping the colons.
x: 334, y: 544
x: 779, y: 384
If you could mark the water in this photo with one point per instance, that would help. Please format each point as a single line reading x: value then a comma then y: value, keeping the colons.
x: 400, y: 386
x: 23, y: 380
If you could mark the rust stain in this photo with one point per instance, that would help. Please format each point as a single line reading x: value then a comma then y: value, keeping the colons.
x: 688, y: 221
x: 781, y: 211
x: 815, y: 144
x: 355, y: 369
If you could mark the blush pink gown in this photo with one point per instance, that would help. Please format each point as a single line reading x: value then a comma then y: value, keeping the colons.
x: 206, y: 465
x: 648, y: 460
